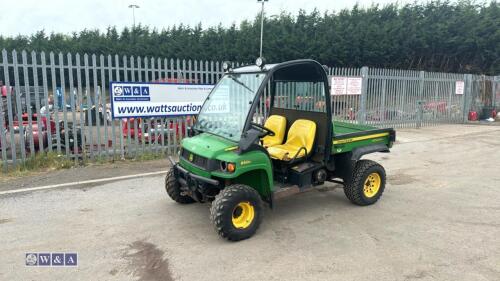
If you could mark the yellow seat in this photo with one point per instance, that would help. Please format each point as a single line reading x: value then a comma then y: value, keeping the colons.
x: 299, y: 141
x: 277, y: 124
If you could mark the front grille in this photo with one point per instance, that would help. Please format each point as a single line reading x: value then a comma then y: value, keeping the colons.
x: 197, y: 160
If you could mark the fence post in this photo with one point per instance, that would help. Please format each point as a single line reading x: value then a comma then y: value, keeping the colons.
x: 7, y: 114
x: 467, y: 96
x: 364, y: 94
x: 18, y: 108
x: 494, y: 82
x: 420, y: 102
x: 3, y: 134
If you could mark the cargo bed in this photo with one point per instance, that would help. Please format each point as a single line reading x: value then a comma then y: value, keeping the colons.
x: 347, y: 136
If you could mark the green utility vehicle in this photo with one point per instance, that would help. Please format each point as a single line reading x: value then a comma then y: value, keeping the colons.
x: 265, y: 132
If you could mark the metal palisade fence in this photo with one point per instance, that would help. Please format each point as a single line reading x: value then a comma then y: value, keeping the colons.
x: 60, y: 102
x: 411, y: 99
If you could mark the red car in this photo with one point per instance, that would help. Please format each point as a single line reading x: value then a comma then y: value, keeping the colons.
x: 438, y: 106
x: 35, y: 130
x: 152, y: 134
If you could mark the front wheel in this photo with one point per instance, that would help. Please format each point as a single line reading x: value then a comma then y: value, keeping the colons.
x: 236, y: 212
x: 367, y: 184
x: 173, y: 189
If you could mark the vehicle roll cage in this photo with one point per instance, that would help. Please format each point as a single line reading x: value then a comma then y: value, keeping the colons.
x: 271, y: 70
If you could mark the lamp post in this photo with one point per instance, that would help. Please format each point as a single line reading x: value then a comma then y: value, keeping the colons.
x: 261, y: 24
x: 133, y: 6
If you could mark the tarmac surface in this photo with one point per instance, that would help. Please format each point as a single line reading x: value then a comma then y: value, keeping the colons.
x: 439, y: 219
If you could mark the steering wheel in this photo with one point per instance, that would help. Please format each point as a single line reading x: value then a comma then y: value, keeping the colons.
x: 265, y: 131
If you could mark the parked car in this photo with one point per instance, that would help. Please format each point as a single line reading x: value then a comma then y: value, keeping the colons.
x: 73, y: 136
x: 153, y: 133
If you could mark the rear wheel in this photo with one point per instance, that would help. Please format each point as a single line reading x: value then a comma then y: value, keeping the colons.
x: 236, y: 212
x: 367, y: 184
x: 174, y: 189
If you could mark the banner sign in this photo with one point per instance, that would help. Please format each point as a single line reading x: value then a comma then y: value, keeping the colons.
x: 134, y: 99
x: 346, y: 85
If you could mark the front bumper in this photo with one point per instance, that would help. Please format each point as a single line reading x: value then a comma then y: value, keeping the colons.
x: 194, y: 185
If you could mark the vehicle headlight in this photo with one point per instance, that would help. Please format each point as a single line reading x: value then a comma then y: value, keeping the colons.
x: 227, y: 166
x: 231, y: 167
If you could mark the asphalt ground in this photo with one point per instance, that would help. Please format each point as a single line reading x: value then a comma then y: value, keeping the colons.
x: 439, y: 219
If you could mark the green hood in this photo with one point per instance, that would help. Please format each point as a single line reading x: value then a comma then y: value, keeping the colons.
x: 207, y: 145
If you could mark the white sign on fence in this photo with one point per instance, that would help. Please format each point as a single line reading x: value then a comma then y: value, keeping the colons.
x: 129, y: 99
x: 459, y: 87
x: 354, y: 85
x: 346, y: 85
x: 339, y: 86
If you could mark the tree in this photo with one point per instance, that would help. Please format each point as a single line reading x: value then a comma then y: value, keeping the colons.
x: 439, y: 35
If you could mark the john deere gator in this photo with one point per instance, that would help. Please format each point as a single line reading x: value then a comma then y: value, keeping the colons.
x: 264, y: 132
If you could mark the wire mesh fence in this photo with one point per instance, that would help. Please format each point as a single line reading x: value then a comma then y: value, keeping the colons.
x: 60, y: 102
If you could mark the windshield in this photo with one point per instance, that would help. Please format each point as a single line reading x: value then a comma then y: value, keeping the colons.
x: 226, y: 109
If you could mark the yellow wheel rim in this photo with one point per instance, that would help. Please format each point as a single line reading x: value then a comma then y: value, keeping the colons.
x: 372, y: 185
x: 243, y: 215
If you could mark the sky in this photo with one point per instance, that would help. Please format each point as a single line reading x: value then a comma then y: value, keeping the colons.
x: 25, y: 17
